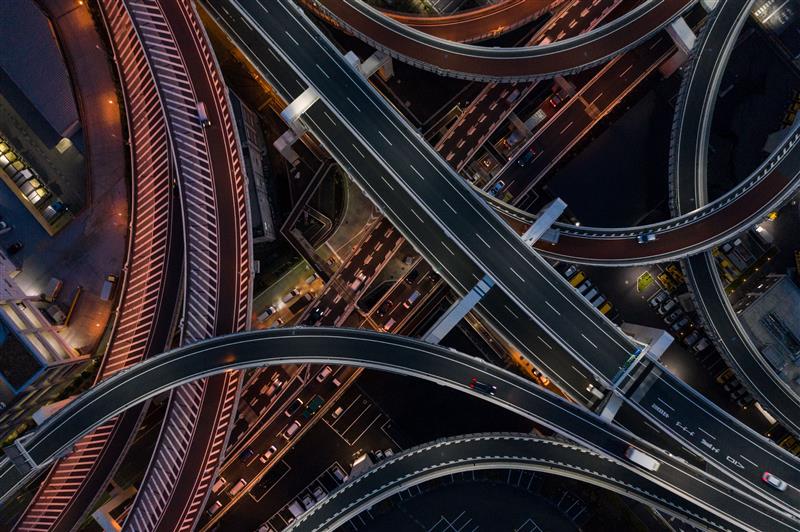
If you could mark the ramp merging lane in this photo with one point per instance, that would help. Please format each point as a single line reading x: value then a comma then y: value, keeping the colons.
x: 500, y: 64
x: 490, y: 451
x: 395, y: 354
x: 689, y: 190
x: 479, y: 23
x: 453, y: 228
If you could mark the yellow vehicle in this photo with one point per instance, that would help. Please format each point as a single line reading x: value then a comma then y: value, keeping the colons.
x: 577, y: 279
x: 606, y: 307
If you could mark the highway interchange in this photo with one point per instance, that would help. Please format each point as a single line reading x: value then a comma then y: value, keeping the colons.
x: 533, y: 307
x: 399, y: 355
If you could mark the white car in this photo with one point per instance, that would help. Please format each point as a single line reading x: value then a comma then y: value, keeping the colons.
x: 774, y: 481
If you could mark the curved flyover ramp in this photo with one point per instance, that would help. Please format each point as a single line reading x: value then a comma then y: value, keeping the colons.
x: 396, y: 354
x: 149, y: 288
x: 478, y: 23
x: 689, y: 190
x: 490, y: 451
x: 684, y: 235
x: 466, y: 61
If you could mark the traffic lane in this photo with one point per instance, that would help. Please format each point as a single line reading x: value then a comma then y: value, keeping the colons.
x: 603, y: 91
x: 477, y: 23
x: 700, y: 88
x: 511, y: 63
x: 494, y: 105
x: 745, y: 358
x: 602, y: 340
x: 501, y: 451
x: 351, y: 347
x: 223, y: 169
x: 339, y: 84
x: 733, y: 447
x: 462, y: 274
x: 686, y: 238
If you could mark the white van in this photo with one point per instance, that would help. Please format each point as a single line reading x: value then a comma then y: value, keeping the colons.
x: 238, y: 487
x: 218, y: 484
x: 214, y: 508
x: 327, y: 370
x: 291, y: 430
x: 641, y: 459
x: 389, y: 324
x: 291, y: 295
x: 360, y: 278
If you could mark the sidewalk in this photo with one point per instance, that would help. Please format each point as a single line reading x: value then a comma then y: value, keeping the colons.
x: 94, y: 244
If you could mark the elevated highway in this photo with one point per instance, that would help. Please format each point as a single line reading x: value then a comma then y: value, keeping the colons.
x: 689, y: 191
x: 532, y: 306
x: 404, y: 356
x: 466, y: 61
x: 216, y: 265
x: 149, y: 288
x: 479, y: 23
x: 448, y: 456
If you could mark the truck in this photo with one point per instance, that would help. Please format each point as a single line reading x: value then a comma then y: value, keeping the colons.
x: 360, y: 278
x: 300, y: 304
x: 296, y: 509
x: 642, y: 459
x: 107, y: 291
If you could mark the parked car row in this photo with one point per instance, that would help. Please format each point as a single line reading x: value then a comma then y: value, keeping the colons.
x: 577, y: 278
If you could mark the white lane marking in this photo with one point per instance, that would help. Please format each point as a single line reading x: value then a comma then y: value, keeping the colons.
x: 748, y: 460
x: 384, y: 138
x: 451, y: 207
x: 543, y: 341
x: 511, y: 312
x: 552, y: 307
x: 292, y: 38
x: 448, y: 248
x: 329, y: 117
x: 353, y: 104
x: 417, y: 215
x: 484, y: 241
x: 515, y: 273
x: 665, y: 403
x: 387, y: 183
x: 417, y: 172
x: 359, y: 151
x: 626, y: 71
x: 566, y: 127
x: 579, y: 372
x: 323, y: 72
x: 706, y: 433
x: 587, y: 339
x: 373, y: 100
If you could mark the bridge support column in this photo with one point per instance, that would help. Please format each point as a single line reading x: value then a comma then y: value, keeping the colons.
x: 458, y: 310
x: 102, y: 515
x: 682, y: 35
x: 541, y: 228
x: 709, y: 5
x: 377, y: 62
x: 19, y: 456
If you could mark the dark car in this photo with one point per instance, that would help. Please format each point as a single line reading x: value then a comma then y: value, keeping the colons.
x: 246, y: 455
x: 294, y: 407
x: 412, y: 276
x: 385, y: 307
x: 14, y: 248
x: 482, y: 387
x: 314, y: 316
